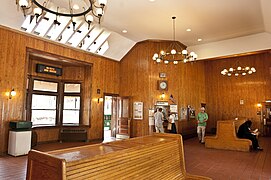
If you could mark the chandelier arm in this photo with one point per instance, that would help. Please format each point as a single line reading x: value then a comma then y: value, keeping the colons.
x: 97, y: 16
x: 63, y: 14
x: 173, y: 18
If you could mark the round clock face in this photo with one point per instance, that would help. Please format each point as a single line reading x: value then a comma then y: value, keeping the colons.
x: 163, y: 85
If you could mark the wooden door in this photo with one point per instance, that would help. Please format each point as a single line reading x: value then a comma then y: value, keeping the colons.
x: 120, y: 112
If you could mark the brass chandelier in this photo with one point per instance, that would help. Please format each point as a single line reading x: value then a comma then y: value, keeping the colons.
x: 88, y: 9
x: 174, y: 53
x: 239, y: 71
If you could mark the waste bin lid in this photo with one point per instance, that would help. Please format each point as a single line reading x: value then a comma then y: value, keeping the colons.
x: 20, y: 125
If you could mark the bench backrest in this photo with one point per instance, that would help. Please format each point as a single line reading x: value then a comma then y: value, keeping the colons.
x: 137, y: 159
x: 159, y: 156
x: 226, y: 130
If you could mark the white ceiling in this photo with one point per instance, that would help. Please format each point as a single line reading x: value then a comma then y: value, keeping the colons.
x: 210, y: 20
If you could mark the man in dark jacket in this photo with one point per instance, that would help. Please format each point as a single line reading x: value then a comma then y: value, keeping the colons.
x: 245, y: 132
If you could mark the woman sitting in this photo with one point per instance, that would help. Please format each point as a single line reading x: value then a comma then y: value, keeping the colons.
x: 245, y: 132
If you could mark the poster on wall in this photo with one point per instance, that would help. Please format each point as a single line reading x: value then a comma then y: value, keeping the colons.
x: 173, y: 108
x: 183, y: 113
x: 138, y: 110
x: 151, y: 117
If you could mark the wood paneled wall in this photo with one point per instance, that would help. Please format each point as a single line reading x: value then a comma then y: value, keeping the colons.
x: 13, y: 58
x: 224, y: 93
x: 139, y: 76
x: 136, y: 76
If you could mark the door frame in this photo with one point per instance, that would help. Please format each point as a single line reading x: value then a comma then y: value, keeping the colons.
x: 107, y: 94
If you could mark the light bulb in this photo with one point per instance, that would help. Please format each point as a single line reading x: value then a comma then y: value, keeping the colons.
x: 173, y: 51
x: 102, y: 2
x: 166, y: 61
x: 13, y: 93
x: 192, y: 54
x: 184, y: 52
x: 175, y: 62
x: 195, y: 56
x: 99, y: 11
x: 162, y: 52
x: 155, y: 55
x: 158, y: 60
x: 231, y: 69
x: 239, y: 68
x: 23, y: 3
x: 89, y: 18
x: 37, y: 11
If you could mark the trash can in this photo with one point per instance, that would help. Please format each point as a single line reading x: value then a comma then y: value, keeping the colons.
x: 19, y: 142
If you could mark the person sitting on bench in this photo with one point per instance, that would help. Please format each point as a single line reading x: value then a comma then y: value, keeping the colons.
x: 245, y: 132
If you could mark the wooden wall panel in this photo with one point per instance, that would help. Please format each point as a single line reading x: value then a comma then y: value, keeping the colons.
x: 224, y: 93
x: 139, y: 76
x: 13, y: 55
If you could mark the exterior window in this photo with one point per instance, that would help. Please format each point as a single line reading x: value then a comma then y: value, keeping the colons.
x: 71, y: 110
x: 43, y: 110
x: 55, y: 103
x: 72, y: 88
x: 45, y: 86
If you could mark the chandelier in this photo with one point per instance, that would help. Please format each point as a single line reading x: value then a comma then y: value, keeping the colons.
x: 67, y: 8
x: 174, y: 53
x: 238, y: 71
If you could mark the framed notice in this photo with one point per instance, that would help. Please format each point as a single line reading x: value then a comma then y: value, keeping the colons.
x: 173, y: 108
x: 162, y: 75
x: 138, y: 110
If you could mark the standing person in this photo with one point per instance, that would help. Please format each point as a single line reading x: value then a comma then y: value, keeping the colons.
x: 202, y: 122
x: 244, y: 131
x: 171, y: 120
x: 158, y: 121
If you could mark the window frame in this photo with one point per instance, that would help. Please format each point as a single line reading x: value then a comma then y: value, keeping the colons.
x: 71, y: 94
x: 59, y: 101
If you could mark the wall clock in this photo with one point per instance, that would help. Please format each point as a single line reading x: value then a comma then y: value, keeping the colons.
x: 162, y: 85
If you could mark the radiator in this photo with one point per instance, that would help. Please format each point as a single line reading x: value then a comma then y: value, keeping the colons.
x: 73, y: 135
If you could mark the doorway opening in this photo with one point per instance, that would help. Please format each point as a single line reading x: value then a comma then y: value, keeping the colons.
x: 108, y: 104
x: 116, y: 117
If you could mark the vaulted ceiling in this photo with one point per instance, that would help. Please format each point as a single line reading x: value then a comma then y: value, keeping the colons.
x: 209, y: 20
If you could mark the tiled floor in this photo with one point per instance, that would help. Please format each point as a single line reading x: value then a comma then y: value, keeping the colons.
x: 217, y: 164
x: 229, y: 165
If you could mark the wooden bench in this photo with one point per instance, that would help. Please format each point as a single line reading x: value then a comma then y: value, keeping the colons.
x: 226, y: 138
x: 158, y: 156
